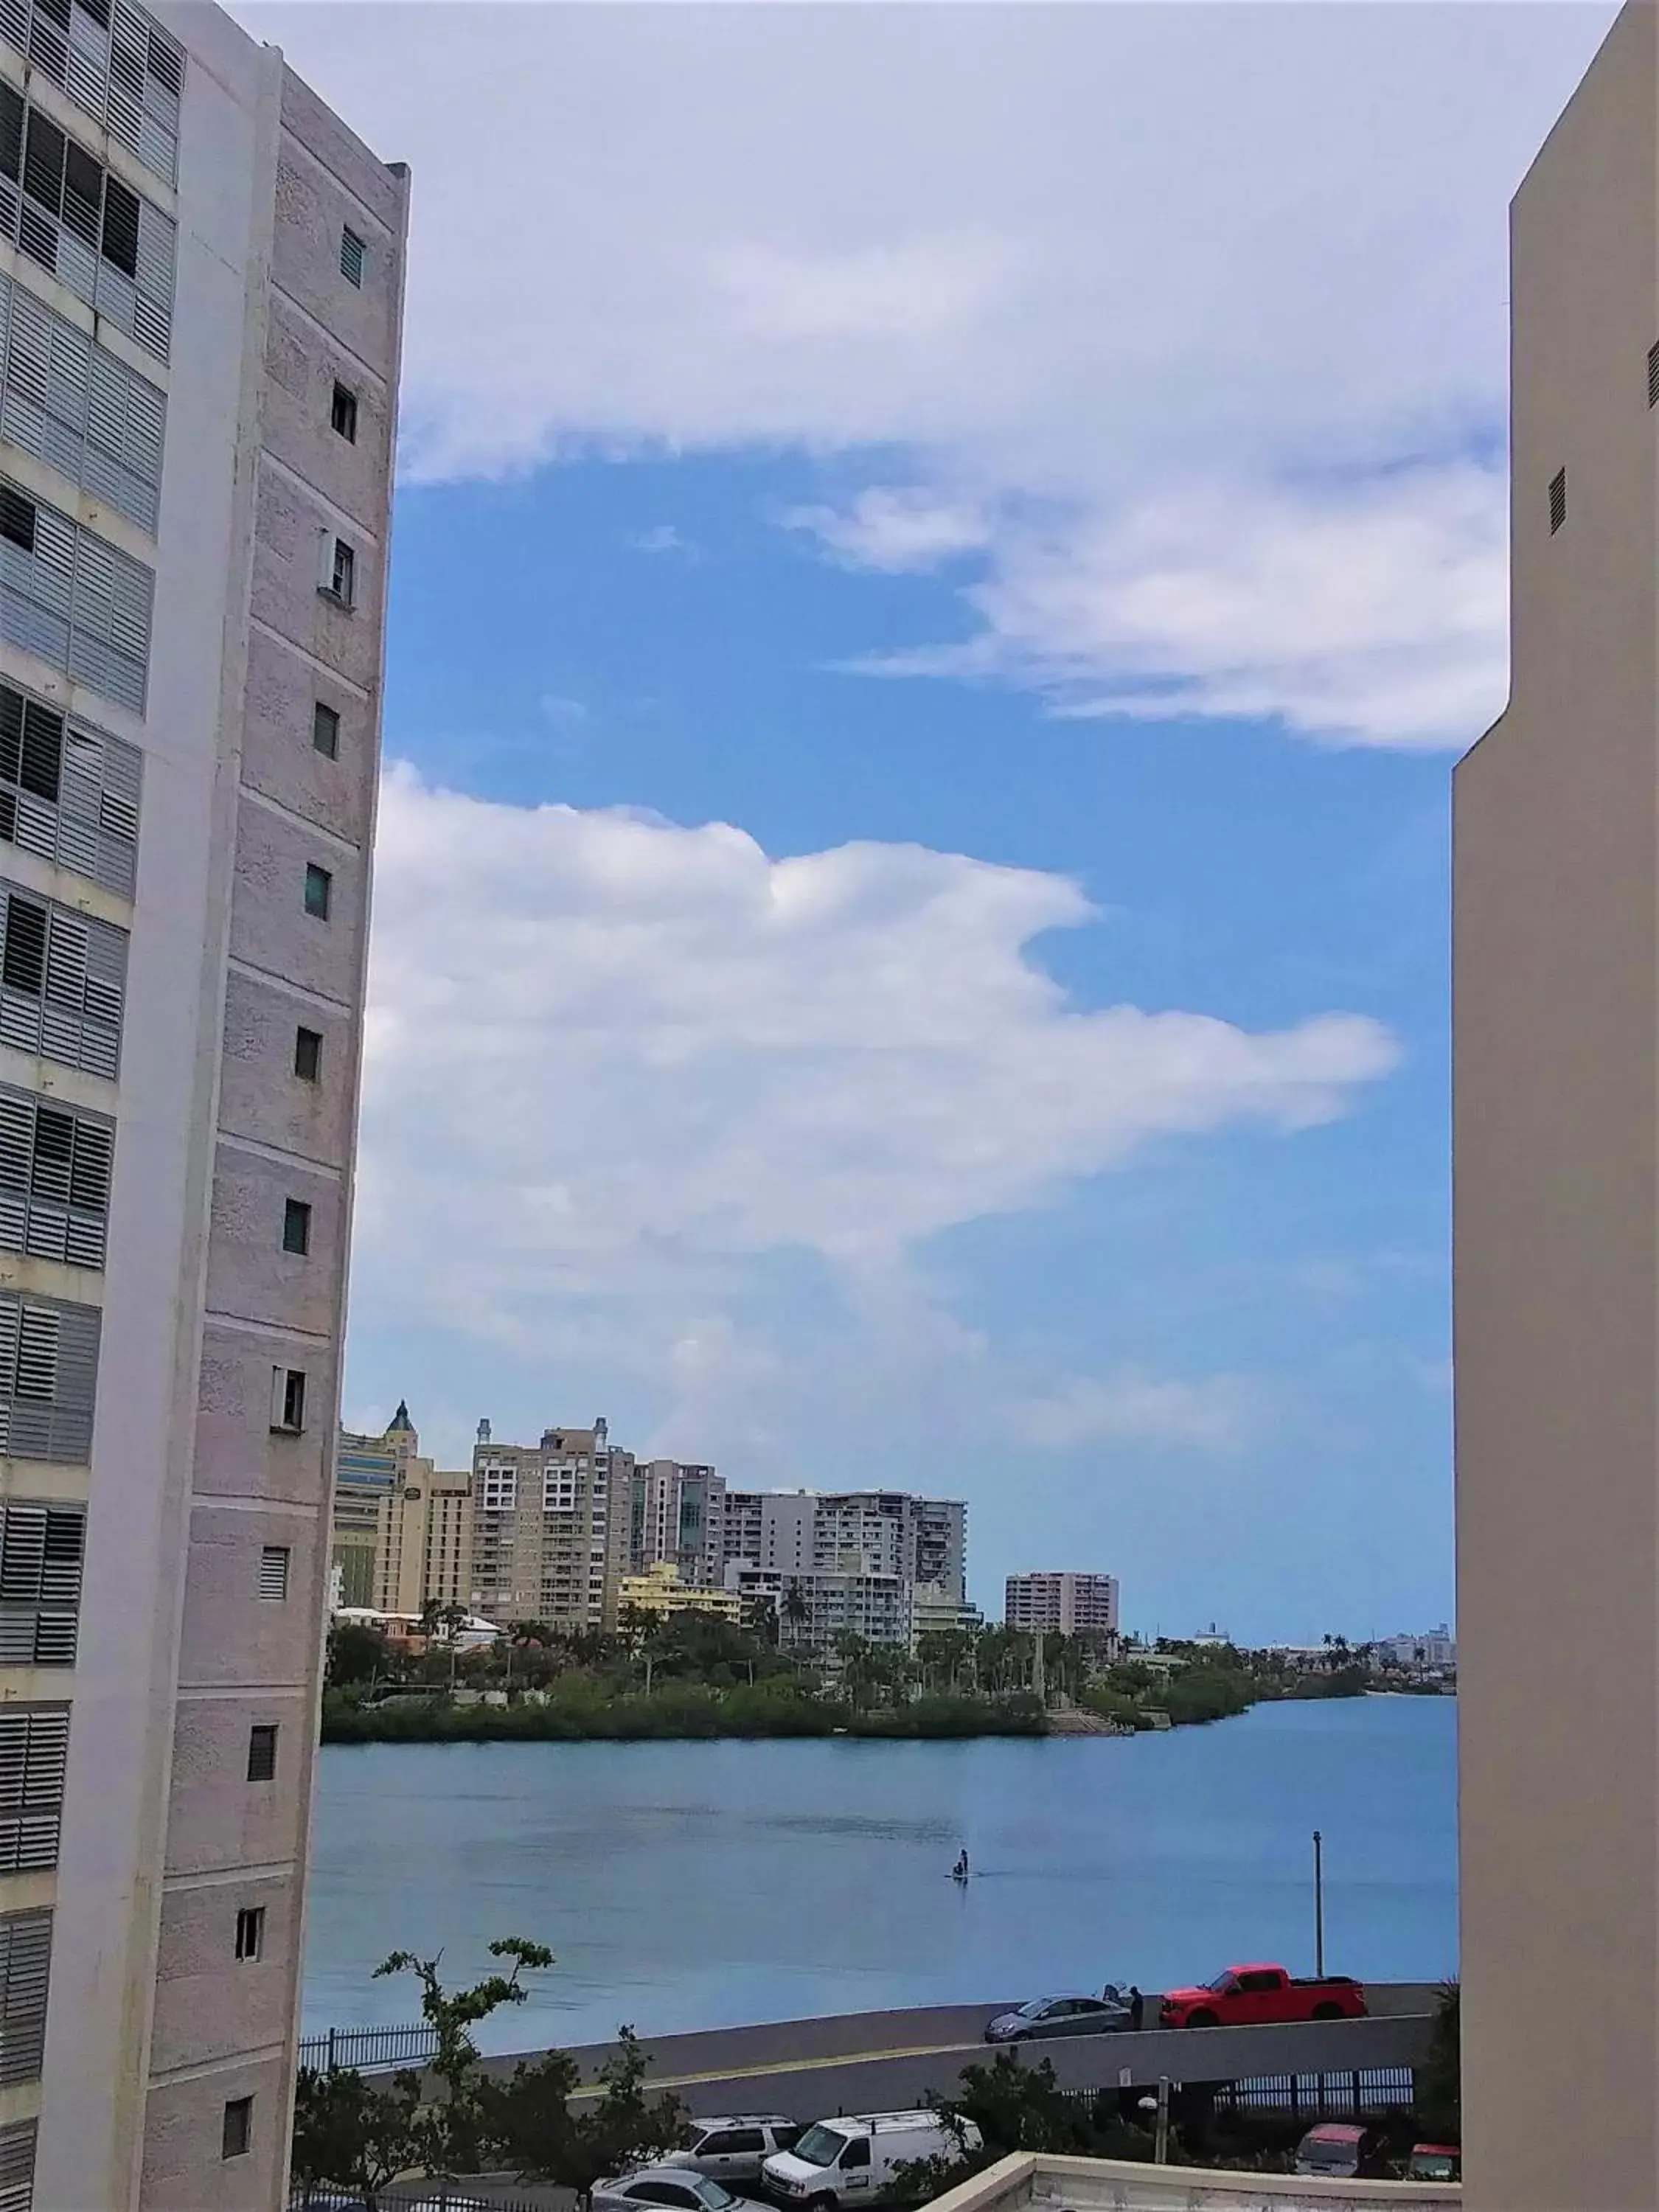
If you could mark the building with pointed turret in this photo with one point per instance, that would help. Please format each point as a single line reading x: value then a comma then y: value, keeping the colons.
x: 401, y: 1527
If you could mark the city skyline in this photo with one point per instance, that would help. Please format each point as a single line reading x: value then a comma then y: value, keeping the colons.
x: 923, y: 720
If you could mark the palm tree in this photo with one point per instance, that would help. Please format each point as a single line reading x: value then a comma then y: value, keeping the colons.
x: 794, y: 1608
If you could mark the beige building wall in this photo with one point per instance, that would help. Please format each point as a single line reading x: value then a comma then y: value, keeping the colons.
x: 428, y: 1554
x: 550, y: 1528
x: 1556, y: 1212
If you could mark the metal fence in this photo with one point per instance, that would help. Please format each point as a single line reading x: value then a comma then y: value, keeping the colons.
x: 414, y: 2196
x: 1321, y: 2096
x: 368, y: 2046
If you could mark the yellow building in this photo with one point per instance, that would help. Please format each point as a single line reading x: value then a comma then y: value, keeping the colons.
x: 659, y: 1591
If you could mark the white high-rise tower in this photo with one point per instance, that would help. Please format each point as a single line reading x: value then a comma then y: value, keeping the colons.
x: 201, y: 276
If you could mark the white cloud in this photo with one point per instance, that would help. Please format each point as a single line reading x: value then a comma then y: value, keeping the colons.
x: 669, y: 1058
x: 662, y: 538
x: 1141, y: 265
x: 1375, y: 614
x: 899, y: 529
x: 1213, y: 1414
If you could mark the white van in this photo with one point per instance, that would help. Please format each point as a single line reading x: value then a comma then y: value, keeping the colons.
x: 852, y: 2159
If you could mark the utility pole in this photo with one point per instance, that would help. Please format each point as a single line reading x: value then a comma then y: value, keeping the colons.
x: 1039, y: 1685
x: 1319, y: 1904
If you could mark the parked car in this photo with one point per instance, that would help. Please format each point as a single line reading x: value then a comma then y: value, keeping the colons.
x: 683, y: 2188
x: 1251, y: 1996
x: 855, y: 2157
x: 1048, y: 2016
x: 1338, y: 2151
x: 731, y: 2149
x: 1435, y: 2163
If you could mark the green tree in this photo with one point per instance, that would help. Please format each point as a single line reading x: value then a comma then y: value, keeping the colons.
x: 455, y: 2125
x: 548, y: 2130
x: 356, y: 1652
x: 354, y: 2135
x: 1440, y: 2078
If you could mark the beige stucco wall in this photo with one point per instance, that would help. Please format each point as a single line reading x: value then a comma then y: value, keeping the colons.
x: 1557, y: 1215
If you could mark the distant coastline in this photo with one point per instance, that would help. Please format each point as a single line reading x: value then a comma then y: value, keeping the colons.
x: 694, y: 1713
x: 673, y: 1713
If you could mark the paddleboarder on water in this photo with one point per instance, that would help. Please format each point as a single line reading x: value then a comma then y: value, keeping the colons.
x: 959, y: 1871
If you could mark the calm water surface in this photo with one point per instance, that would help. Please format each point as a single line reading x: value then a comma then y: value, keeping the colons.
x: 691, y: 1885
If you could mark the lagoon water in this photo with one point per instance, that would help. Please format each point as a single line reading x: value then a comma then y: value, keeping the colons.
x: 704, y: 1885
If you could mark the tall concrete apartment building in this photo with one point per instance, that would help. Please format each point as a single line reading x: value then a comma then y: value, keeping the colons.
x: 402, y: 1533
x: 882, y: 1532
x: 676, y: 1518
x: 1063, y: 1604
x: 550, y: 1528
x: 201, y: 276
x: 1557, y: 1205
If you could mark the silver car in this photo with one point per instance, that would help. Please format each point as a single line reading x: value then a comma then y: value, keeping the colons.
x: 1044, y: 2017
x: 682, y: 2188
x: 733, y: 2148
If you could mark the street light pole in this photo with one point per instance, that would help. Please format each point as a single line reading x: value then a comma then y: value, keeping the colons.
x: 1319, y: 1904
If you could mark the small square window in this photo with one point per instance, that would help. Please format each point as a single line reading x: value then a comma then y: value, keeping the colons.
x: 296, y: 1226
x: 325, y: 730
x: 287, y: 1400
x: 320, y: 890
x: 238, y: 2139
x: 249, y: 1932
x: 262, y: 1752
x: 307, y: 1054
x: 345, y: 413
x: 351, y: 257
x: 1557, y: 500
x: 273, y: 1574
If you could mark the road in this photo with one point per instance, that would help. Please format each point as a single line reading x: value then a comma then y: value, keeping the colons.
x: 886, y: 2061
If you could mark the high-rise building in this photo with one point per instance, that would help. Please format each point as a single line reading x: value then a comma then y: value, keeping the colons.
x: 676, y: 1518
x: 1064, y: 1604
x: 402, y: 1528
x: 201, y: 276
x: 1557, y: 1204
x: 550, y: 1528
x: 812, y: 1609
x: 365, y: 1482
x: 882, y: 1532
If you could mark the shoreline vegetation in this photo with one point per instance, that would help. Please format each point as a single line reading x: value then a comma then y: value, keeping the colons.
x: 689, y: 1677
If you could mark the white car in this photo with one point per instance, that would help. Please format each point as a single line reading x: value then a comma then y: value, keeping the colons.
x: 677, y: 2186
x: 731, y: 2149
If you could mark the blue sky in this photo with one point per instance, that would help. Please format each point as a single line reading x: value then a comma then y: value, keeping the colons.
x: 930, y: 630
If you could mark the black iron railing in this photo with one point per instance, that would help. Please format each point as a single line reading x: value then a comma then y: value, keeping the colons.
x: 364, y: 2047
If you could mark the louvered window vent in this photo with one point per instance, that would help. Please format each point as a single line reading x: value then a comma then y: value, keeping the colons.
x: 62, y: 977
x: 73, y: 600
x: 54, y: 1179
x: 63, y: 208
x: 70, y: 402
x: 115, y: 62
x: 69, y: 793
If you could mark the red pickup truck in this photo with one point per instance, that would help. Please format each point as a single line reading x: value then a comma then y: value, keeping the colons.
x: 1254, y: 1996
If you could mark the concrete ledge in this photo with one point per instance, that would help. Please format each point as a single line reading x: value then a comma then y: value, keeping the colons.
x: 1102, y: 2185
